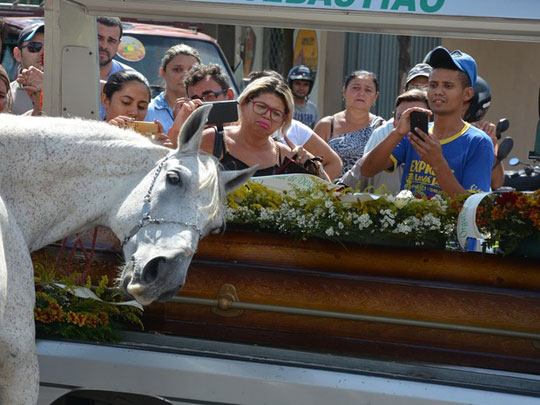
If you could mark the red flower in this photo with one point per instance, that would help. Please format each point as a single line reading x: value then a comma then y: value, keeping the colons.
x: 507, y: 200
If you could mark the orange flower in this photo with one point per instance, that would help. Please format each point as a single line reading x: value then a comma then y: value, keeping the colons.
x: 497, y: 213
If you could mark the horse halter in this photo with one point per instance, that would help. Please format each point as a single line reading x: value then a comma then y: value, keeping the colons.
x: 147, y: 218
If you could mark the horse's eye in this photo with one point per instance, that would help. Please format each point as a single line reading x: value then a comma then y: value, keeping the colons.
x: 173, y: 177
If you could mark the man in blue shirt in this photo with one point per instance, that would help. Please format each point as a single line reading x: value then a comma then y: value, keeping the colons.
x: 453, y: 157
x: 109, y: 31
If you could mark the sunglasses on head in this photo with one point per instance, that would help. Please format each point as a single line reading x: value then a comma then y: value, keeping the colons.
x: 33, y: 47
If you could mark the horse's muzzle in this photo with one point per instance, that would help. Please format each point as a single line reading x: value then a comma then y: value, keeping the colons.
x: 159, y: 279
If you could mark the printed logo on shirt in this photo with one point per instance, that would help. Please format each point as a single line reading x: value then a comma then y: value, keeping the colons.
x: 421, y: 179
x: 305, y: 118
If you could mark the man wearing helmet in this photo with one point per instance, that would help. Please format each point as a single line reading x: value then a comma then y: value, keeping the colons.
x: 301, y: 80
x: 474, y: 111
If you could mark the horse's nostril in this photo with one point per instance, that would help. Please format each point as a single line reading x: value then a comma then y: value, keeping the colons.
x: 151, y: 270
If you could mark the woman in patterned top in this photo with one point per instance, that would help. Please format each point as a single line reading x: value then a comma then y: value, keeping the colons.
x: 348, y: 131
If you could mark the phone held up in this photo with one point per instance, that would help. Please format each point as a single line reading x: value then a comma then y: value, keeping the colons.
x: 223, y: 112
x: 144, y: 128
x: 419, y: 120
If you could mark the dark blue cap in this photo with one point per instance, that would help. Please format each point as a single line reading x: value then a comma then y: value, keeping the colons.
x: 28, y: 33
x: 440, y: 57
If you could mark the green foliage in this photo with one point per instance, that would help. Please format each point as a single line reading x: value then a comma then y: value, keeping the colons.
x: 340, y: 215
x: 60, y: 313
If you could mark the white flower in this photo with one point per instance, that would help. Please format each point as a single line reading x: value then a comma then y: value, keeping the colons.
x: 388, y: 219
x: 364, y: 221
x: 433, y: 223
x: 403, y: 198
x: 330, y: 231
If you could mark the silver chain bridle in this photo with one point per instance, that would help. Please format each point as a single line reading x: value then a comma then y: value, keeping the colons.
x: 147, y: 218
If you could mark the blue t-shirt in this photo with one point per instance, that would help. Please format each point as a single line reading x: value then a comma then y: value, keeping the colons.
x: 159, y: 109
x: 469, y: 154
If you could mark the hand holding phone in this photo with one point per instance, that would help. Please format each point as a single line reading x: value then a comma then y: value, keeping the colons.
x: 418, y: 120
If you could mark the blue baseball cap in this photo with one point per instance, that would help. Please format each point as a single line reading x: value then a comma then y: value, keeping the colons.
x: 440, y: 57
x: 29, y: 32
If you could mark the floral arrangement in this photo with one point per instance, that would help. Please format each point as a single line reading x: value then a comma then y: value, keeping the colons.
x: 335, y: 214
x: 61, y: 312
x: 510, y: 218
x: 321, y: 212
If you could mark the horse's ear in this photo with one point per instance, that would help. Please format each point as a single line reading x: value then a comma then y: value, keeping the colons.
x: 189, y: 139
x: 232, y: 179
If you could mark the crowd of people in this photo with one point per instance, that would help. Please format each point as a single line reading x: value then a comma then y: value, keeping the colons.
x: 278, y: 126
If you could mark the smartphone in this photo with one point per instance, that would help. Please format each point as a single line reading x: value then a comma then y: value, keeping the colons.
x: 419, y: 120
x: 144, y: 128
x: 223, y: 111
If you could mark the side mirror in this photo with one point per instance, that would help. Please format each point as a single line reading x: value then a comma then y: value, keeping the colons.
x: 505, y: 147
x: 514, y: 161
x: 502, y: 126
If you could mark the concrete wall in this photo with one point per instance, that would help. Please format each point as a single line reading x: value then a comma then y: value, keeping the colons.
x: 331, y: 59
x: 512, y: 70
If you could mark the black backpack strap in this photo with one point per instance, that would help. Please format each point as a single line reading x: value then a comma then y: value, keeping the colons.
x: 219, y: 143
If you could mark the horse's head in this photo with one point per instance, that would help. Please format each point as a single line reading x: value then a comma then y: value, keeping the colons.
x: 172, y: 208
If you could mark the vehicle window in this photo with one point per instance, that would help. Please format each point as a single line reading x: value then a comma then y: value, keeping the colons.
x: 8, y: 61
x: 156, y: 46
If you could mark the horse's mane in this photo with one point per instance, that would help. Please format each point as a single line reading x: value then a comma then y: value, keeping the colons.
x: 212, y: 181
x: 76, y: 144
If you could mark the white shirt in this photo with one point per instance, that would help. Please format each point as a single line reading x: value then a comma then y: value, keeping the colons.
x: 298, y: 133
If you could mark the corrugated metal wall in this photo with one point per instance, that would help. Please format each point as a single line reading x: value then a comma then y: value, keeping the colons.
x: 379, y: 54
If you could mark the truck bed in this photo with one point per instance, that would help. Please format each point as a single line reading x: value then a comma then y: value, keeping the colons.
x: 197, y: 371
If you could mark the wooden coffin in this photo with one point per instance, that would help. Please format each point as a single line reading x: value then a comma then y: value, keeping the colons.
x: 421, y: 305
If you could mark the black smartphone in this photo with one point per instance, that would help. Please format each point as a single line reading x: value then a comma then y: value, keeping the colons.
x: 223, y: 111
x: 419, y: 120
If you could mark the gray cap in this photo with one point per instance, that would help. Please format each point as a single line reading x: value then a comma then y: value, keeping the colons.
x: 421, y: 69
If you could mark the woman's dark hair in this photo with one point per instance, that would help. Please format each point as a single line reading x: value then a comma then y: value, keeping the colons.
x: 362, y: 73
x: 117, y: 81
x: 180, y: 49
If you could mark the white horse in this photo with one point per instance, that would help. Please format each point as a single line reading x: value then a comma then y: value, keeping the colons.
x: 59, y: 176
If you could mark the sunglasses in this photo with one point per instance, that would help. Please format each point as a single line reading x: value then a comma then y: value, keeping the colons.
x: 209, y: 95
x: 33, y: 47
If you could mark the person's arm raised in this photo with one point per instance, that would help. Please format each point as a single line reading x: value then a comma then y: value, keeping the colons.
x: 430, y: 151
x: 183, y: 109
x: 378, y: 159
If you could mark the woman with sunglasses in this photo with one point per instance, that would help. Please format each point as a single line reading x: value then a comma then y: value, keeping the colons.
x: 265, y: 106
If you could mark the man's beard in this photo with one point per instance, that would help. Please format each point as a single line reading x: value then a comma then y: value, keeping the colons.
x: 107, y: 61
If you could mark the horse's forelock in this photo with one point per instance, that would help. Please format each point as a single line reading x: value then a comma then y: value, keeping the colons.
x: 210, y: 179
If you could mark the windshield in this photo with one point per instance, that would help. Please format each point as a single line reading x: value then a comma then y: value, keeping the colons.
x: 155, y: 47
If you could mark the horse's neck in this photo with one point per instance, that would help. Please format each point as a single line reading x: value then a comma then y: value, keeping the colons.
x: 60, y: 175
